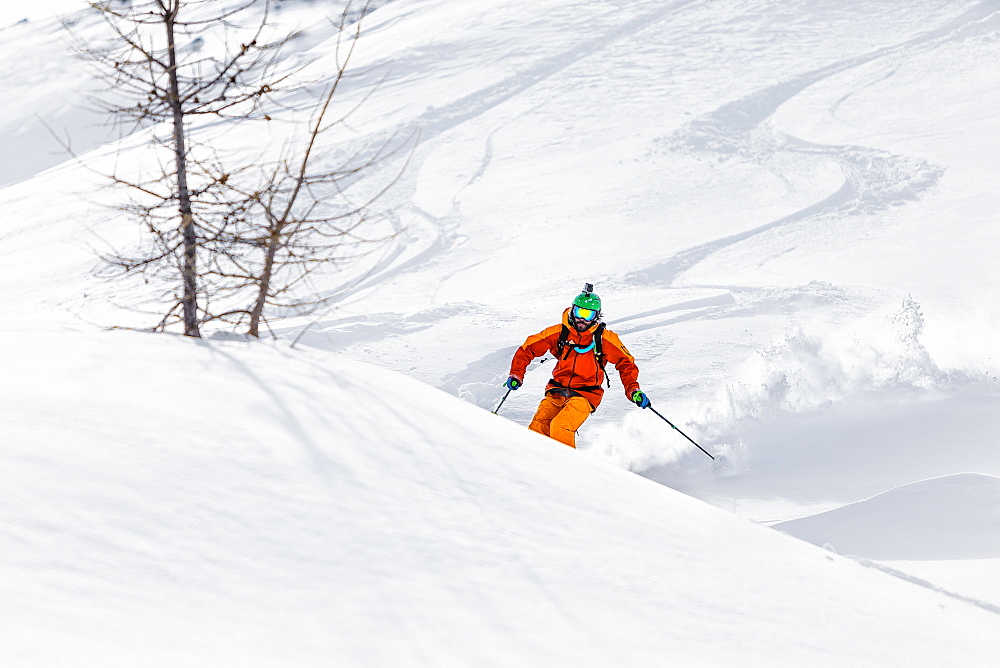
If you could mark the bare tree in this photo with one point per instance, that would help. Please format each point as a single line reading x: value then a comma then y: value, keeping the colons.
x: 298, y: 215
x: 156, y: 82
x: 245, y: 237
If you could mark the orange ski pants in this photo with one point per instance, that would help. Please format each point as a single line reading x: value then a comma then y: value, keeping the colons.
x: 559, y: 417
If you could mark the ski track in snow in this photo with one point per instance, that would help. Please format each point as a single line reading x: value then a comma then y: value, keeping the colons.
x: 912, y: 579
x: 435, y: 122
x: 873, y: 179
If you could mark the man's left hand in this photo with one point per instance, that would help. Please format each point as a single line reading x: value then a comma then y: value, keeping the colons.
x: 640, y: 399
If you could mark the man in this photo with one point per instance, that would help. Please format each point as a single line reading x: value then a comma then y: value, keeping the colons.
x: 582, y: 346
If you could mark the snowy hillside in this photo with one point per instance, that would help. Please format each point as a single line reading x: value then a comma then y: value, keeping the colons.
x: 238, y: 503
x: 789, y: 210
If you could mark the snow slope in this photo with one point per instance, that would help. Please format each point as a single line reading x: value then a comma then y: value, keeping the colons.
x: 789, y: 211
x: 268, y: 508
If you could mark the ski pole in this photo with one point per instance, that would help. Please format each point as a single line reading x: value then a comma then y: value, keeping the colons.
x: 497, y: 411
x: 678, y: 431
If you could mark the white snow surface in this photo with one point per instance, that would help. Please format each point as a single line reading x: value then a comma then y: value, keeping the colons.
x: 789, y: 211
x: 951, y: 517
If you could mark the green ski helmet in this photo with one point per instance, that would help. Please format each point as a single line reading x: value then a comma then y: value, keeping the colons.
x: 586, y: 309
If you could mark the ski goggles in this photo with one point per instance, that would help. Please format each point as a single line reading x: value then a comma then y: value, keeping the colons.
x: 584, y: 313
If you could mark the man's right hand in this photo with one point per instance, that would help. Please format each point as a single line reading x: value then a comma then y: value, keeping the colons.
x: 513, y: 383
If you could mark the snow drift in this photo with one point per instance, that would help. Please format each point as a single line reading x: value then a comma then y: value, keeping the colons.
x: 950, y: 517
x: 172, y: 501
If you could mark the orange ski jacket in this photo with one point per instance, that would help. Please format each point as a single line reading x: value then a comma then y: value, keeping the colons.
x: 577, y: 368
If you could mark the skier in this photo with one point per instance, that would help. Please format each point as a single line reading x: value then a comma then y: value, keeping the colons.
x: 582, y: 346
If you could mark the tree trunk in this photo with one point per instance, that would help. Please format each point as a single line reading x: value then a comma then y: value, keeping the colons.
x: 189, y: 298
x: 278, y: 226
x: 264, y: 285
